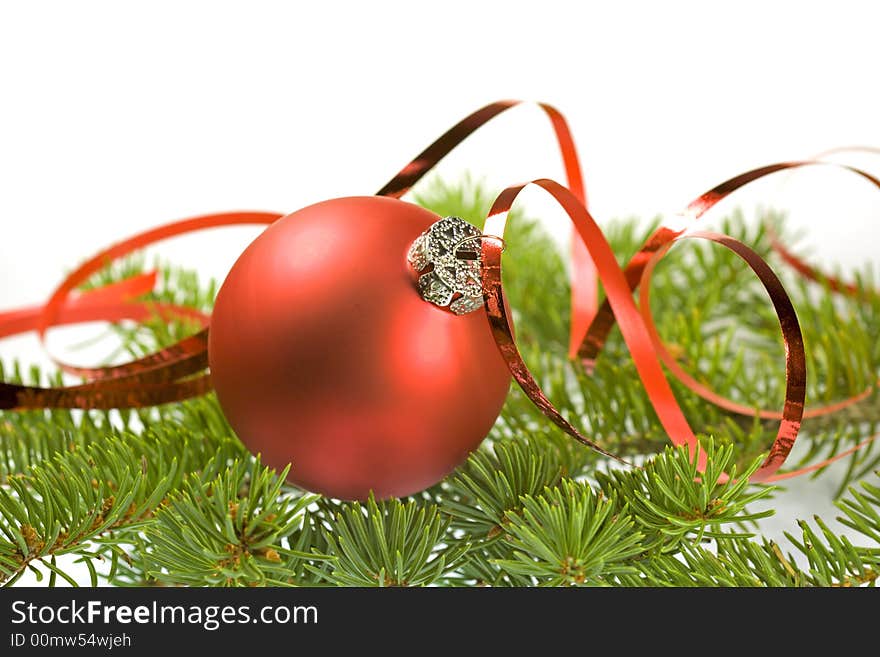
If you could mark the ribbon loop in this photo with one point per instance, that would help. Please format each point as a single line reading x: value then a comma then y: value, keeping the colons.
x: 178, y: 372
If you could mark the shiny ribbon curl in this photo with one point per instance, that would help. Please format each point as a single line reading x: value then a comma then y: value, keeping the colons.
x: 146, y: 381
x: 172, y: 374
x: 638, y: 271
x: 190, y: 355
x: 634, y: 327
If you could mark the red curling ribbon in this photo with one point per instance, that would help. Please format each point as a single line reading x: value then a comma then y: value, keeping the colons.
x: 110, y: 303
x: 25, y: 319
x: 172, y: 374
x: 634, y: 329
x: 659, y: 240
x: 148, y: 381
x: 695, y: 386
x: 598, y: 331
x: 121, y: 249
x: 584, y: 290
x: 190, y: 355
x: 795, y: 357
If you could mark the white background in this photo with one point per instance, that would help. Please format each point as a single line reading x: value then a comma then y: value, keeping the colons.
x: 115, y: 117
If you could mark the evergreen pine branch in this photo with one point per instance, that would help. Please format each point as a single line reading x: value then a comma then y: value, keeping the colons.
x: 832, y: 560
x: 570, y: 535
x: 670, y: 501
x: 232, y: 529
x: 862, y: 510
x: 169, y: 495
x: 85, y: 499
x: 491, y: 484
x: 389, y: 543
x: 740, y: 563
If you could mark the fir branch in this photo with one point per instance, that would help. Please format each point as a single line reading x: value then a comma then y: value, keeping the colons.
x: 670, y: 501
x: 570, y: 536
x: 491, y: 484
x: 739, y: 563
x: 389, y: 543
x: 85, y: 495
x: 862, y: 510
x: 169, y: 495
x: 234, y: 529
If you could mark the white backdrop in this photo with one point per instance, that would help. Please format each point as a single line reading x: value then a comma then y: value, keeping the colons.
x: 115, y: 118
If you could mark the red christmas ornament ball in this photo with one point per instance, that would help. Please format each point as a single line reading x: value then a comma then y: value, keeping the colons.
x: 323, y: 354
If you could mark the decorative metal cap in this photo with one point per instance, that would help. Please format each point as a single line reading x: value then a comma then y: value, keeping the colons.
x: 448, y: 256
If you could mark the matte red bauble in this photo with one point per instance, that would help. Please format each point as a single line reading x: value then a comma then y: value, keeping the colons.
x: 324, y: 355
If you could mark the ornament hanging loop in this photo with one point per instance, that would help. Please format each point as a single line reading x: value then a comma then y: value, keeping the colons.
x: 476, y: 238
x: 449, y: 276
